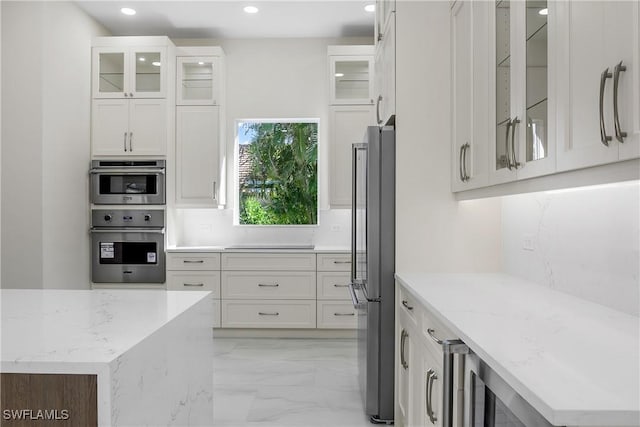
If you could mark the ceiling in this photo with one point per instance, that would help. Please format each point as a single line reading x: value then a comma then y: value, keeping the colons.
x: 225, y: 19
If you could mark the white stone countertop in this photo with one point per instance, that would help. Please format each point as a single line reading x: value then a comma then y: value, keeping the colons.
x: 576, y: 362
x: 74, y: 331
x: 260, y: 248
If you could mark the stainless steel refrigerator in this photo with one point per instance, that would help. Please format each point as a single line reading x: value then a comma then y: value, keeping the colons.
x: 372, y: 267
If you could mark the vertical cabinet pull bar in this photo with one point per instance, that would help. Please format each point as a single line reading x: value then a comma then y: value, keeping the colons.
x: 431, y: 377
x: 620, y: 135
x: 403, y: 339
x: 461, y: 162
x: 603, y: 132
x: 464, y: 162
x: 378, y: 119
x: 131, y: 142
x: 514, y: 123
x: 215, y: 191
x: 506, y: 138
x: 125, y: 142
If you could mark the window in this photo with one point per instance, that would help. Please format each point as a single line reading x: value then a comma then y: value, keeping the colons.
x: 277, y: 172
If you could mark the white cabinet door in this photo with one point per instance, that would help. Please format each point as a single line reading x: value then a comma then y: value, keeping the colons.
x: 427, y: 390
x: 198, y: 80
x: 351, y: 79
x: 347, y: 125
x: 148, y: 73
x: 197, y: 155
x: 147, y: 127
x: 598, y: 35
x: 385, y: 73
x: 469, y: 63
x: 110, y: 127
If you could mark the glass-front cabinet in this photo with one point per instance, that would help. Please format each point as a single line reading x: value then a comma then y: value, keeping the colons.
x: 523, y: 132
x: 123, y: 72
x: 351, y: 75
x: 198, y: 80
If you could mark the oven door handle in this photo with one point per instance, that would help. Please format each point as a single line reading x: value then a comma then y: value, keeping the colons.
x: 131, y: 171
x: 128, y: 230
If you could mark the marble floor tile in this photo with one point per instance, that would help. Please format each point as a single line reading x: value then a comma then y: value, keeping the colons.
x: 287, y: 382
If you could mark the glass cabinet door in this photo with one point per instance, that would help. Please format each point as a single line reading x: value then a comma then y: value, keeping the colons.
x: 197, y: 80
x: 109, y: 67
x: 536, y: 80
x: 503, y: 84
x: 147, y: 76
x: 351, y: 78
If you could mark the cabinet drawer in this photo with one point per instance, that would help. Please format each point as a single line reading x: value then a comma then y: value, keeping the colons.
x: 407, y: 307
x: 432, y: 330
x: 334, y: 262
x: 269, y: 262
x: 336, y: 315
x: 268, y: 314
x: 216, y: 314
x: 193, y: 261
x: 268, y: 285
x: 194, y: 281
x: 333, y: 285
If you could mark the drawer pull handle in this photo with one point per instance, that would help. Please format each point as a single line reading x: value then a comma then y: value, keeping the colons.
x: 268, y: 285
x: 337, y: 285
x: 431, y: 378
x: 268, y: 314
x: 342, y: 262
x: 431, y: 333
x: 403, y: 339
x: 406, y: 305
x: 193, y: 284
x: 188, y: 261
x: 344, y: 314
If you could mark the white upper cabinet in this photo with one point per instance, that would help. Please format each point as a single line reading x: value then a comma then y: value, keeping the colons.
x: 522, y: 78
x: 351, y: 75
x: 199, y: 80
x: 599, y: 82
x: 470, y: 71
x: 385, y: 73
x: 129, y: 72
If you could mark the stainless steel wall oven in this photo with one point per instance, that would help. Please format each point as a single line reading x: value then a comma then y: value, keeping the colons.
x: 127, y: 246
x: 136, y: 182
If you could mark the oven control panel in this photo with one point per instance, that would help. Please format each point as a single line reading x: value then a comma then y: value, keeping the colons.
x: 124, y: 218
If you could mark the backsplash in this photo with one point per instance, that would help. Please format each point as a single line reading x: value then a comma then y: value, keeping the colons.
x: 213, y: 227
x: 582, y: 241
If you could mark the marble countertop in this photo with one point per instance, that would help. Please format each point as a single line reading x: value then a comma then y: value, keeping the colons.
x: 45, y: 330
x: 576, y: 362
x: 260, y: 248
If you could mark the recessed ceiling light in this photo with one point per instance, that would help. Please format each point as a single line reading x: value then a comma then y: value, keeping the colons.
x: 543, y: 12
x: 155, y: 64
x: 339, y: 74
x: 128, y: 11
x: 370, y: 8
x: 250, y: 9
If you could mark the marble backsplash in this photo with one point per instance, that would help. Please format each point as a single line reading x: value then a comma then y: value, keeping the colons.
x: 582, y: 241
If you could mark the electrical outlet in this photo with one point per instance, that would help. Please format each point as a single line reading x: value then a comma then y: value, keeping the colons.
x: 528, y: 242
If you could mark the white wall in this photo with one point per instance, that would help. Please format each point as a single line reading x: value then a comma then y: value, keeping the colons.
x: 434, y: 232
x: 272, y: 78
x: 46, y: 48
x: 585, y: 241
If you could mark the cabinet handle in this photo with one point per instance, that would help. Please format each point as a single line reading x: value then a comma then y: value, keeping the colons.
x: 431, y: 333
x: 130, y: 94
x: 620, y: 135
x: 344, y: 314
x: 188, y: 261
x: 131, y: 142
x: 464, y: 177
x: 603, y: 132
x: 268, y: 285
x: 342, y: 262
x: 461, y: 160
x: 466, y: 150
x: 406, y: 305
x: 403, y: 339
x: 268, y: 314
x: 193, y: 284
x: 125, y: 142
x: 337, y: 285
x: 431, y: 377
x: 215, y: 191
x: 514, y: 123
x: 378, y: 119
x: 126, y: 95
x: 509, y: 165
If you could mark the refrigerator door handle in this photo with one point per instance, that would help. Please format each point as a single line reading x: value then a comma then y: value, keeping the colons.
x: 363, y: 286
x: 354, y: 160
x: 354, y: 297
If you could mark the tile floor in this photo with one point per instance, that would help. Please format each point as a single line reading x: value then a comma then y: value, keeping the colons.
x: 286, y: 382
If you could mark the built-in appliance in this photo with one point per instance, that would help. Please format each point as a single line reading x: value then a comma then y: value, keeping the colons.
x: 372, y: 267
x: 127, y: 182
x: 490, y: 402
x: 127, y: 246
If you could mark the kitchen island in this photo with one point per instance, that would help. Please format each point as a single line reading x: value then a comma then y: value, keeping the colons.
x: 143, y: 357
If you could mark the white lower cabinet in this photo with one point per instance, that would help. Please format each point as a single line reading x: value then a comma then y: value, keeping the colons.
x: 269, y: 285
x: 268, y: 313
x: 195, y: 271
x: 419, y: 365
x: 334, y: 306
x: 336, y: 315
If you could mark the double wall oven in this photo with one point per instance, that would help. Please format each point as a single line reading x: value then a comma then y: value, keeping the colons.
x: 127, y: 221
